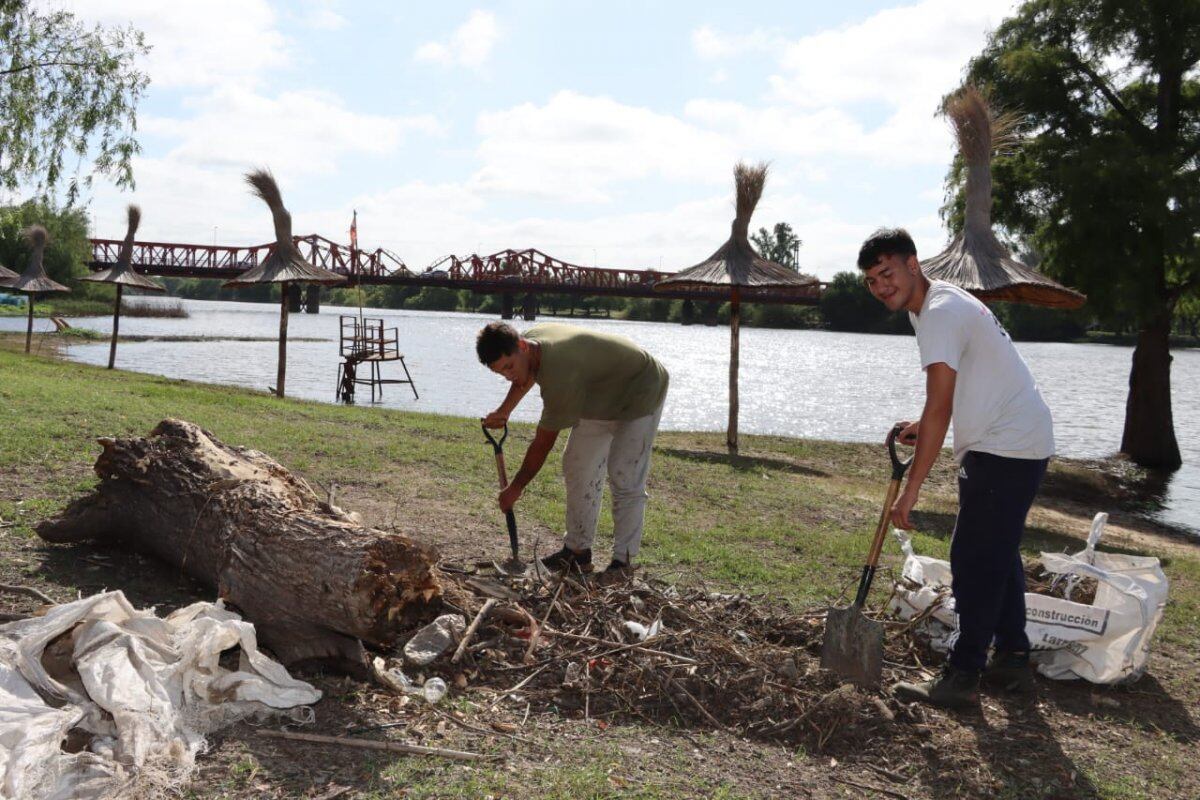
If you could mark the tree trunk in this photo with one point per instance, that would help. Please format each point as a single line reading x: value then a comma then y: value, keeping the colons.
x: 1149, y: 437
x: 310, y: 577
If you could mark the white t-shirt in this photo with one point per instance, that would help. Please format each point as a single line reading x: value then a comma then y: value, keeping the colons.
x: 997, y: 406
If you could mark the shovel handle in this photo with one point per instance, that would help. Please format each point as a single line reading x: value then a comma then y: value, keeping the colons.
x: 498, y: 446
x: 898, y: 469
x: 510, y: 519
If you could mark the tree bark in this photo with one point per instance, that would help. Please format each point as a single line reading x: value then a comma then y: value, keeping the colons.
x: 310, y: 577
x: 1149, y: 436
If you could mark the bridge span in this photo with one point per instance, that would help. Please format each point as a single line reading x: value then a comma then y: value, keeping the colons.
x: 509, y: 272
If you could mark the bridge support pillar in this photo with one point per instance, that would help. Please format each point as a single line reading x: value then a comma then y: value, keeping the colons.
x: 312, y: 299
x: 529, y: 307
x: 294, y: 292
x: 687, y: 312
x: 506, y: 305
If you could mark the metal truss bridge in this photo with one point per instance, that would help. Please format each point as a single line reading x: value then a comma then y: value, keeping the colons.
x: 508, y: 272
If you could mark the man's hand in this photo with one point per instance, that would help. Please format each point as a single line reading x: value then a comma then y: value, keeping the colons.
x: 903, y: 506
x: 908, y: 433
x: 509, y: 497
x: 496, y: 419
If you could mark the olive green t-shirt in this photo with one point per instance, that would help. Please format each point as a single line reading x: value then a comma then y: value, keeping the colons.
x: 589, y: 375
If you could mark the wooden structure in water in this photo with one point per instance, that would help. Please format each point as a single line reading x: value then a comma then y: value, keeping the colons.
x: 366, y: 343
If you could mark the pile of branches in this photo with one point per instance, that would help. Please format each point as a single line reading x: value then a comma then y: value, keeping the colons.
x: 647, y: 650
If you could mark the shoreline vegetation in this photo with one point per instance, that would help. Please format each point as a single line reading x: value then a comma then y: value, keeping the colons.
x: 787, y: 521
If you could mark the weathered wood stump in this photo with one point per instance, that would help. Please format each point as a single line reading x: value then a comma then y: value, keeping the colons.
x: 312, y: 579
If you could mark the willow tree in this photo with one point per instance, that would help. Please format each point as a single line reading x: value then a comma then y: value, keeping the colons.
x: 1105, y: 182
x: 68, y: 95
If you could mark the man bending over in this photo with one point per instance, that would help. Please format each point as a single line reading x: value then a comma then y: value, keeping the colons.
x: 610, y: 393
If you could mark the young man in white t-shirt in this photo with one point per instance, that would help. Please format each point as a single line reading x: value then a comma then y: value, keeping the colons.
x: 1003, y: 439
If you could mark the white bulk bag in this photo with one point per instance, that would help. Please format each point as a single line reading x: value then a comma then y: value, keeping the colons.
x: 1107, y: 641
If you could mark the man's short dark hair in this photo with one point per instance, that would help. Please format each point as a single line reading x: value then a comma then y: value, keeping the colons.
x: 885, y: 242
x: 496, y: 340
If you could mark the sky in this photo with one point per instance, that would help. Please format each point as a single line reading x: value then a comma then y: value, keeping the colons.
x: 603, y: 133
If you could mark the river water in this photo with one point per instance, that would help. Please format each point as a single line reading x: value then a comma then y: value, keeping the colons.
x: 802, y: 383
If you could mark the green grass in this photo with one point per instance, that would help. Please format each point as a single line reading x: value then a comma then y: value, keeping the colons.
x: 791, y: 519
x: 61, y: 307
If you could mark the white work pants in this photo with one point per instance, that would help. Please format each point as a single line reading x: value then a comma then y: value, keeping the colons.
x: 624, y: 447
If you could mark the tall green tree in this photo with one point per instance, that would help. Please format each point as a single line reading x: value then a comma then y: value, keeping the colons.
x: 781, y: 245
x: 1104, y: 181
x: 67, y: 90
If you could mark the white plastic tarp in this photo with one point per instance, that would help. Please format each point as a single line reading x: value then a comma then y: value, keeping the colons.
x: 140, y: 690
x: 1106, y: 641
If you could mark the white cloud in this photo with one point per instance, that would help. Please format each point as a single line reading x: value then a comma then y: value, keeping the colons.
x: 322, y: 16
x: 575, y: 147
x: 901, y: 56
x: 709, y: 43
x: 469, y: 45
x: 198, y: 44
x: 300, y: 132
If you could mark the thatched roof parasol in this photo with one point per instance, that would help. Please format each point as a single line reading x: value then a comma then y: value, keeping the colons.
x: 737, y: 265
x: 6, y: 275
x: 123, y: 275
x: 34, y: 280
x: 976, y: 260
x: 284, y: 265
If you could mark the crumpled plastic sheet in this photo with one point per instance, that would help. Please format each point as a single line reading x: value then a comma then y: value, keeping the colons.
x: 146, y: 690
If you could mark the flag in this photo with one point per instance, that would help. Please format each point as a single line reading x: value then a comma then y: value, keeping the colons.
x: 354, y: 231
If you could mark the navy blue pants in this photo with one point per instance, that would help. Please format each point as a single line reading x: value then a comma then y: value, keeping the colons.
x: 994, y: 496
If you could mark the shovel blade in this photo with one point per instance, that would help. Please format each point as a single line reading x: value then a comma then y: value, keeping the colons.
x: 853, y: 646
x: 513, y: 567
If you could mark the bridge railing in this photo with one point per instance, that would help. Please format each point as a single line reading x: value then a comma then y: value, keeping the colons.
x: 505, y: 270
x: 198, y: 260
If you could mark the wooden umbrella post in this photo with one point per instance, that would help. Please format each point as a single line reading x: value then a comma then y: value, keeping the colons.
x: 283, y: 321
x: 29, y: 325
x: 112, y: 347
x: 731, y: 436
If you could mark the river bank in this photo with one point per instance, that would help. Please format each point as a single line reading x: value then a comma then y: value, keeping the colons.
x: 788, y: 520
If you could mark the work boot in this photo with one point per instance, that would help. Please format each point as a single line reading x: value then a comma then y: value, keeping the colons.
x: 570, y: 560
x: 954, y: 688
x: 1009, y: 671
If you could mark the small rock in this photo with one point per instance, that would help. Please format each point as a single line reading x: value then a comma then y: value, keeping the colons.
x: 789, y: 669
x: 434, y: 639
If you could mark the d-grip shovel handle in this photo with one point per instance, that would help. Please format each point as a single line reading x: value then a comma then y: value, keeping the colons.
x: 510, y: 519
x: 898, y: 469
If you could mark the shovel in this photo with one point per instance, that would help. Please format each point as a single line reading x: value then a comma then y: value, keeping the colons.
x: 513, y: 566
x: 853, y: 646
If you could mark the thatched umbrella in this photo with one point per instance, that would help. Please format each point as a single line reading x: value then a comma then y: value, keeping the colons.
x: 122, y: 275
x: 34, y: 281
x: 283, y: 265
x: 735, y: 266
x: 6, y: 276
x: 976, y: 260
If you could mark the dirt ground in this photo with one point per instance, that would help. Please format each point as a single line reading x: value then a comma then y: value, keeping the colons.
x: 1072, y: 740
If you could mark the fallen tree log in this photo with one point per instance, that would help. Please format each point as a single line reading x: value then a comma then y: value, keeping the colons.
x: 312, y: 579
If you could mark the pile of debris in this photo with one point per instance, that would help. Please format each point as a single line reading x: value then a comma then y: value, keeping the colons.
x: 647, y: 650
